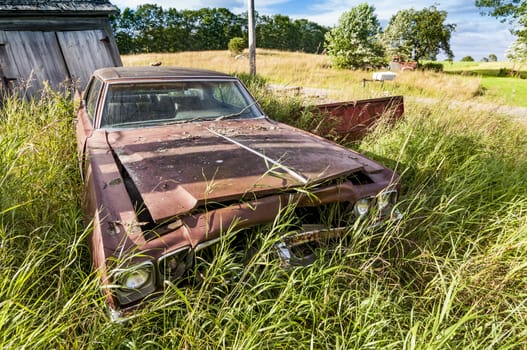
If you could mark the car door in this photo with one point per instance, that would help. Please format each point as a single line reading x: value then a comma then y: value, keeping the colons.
x: 86, y: 119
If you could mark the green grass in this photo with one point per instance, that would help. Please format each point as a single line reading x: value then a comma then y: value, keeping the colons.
x: 509, y: 91
x: 451, y: 275
x: 503, y: 82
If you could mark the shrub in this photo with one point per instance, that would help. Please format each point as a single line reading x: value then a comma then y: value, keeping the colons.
x: 432, y: 66
x: 236, y: 45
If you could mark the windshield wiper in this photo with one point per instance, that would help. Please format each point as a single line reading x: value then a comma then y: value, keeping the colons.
x: 234, y: 115
x: 189, y: 120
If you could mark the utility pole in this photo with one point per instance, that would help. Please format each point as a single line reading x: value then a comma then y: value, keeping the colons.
x: 252, y: 39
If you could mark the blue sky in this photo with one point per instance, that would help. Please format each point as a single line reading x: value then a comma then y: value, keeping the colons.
x: 476, y: 35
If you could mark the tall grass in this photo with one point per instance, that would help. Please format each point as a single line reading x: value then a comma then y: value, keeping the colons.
x: 46, y: 294
x: 452, y: 274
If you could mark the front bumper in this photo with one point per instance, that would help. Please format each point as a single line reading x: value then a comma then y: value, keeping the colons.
x: 298, y: 248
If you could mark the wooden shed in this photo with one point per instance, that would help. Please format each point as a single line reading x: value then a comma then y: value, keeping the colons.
x: 58, y: 41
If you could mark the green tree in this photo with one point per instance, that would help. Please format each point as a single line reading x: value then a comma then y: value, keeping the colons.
x: 419, y: 34
x: 493, y: 58
x: 178, y: 30
x: 512, y: 11
x: 214, y: 28
x: 311, y: 36
x: 123, y: 26
x: 150, y: 24
x: 278, y: 32
x: 517, y: 52
x: 467, y: 59
x: 354, y: 42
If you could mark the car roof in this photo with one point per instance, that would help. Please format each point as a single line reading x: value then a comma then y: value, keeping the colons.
x: 148, y: 72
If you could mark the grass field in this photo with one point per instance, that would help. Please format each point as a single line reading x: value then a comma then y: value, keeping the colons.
x: 503, y: 82
x: 451, y: 275
x: 474, y: 81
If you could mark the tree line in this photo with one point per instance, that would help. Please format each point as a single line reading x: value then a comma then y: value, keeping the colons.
x: 357, y: 41
x: 150, y: 28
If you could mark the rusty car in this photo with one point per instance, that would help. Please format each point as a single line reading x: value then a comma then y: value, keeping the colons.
x: 172, y: 158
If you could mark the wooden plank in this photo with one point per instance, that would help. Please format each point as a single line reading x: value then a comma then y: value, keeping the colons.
x: 33, y: 58
x: 8, y: 74
x: 52, y: 23
x: 84, y: 52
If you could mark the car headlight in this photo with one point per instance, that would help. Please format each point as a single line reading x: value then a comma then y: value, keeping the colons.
x: 362, y: 207
x: 136, y: 279
x: 134, y: 282
x: 386, y: 199
x: 174, y: 265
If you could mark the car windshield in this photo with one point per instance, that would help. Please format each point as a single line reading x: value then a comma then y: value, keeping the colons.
x: 145, y: 103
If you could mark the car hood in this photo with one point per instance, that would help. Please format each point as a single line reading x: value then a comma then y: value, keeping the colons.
x: 176, y: 168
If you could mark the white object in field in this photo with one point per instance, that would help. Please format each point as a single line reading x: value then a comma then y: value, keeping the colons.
x: 384, y: 76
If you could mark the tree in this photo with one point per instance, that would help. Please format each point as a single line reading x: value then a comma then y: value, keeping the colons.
x: 517, y: 52
x: 214, y: 28
x: 419, y: 34
x: 493, y: 58
x: 311, y: 36
x: 277, y: 32
x: 123, y: 26
x: 178, y: 30
x: 512, y: 11
x: 355, y: 41
x: 150, y: 22
x: 467, y: 59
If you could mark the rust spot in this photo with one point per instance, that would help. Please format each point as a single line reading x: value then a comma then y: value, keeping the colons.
x: 116, y: 181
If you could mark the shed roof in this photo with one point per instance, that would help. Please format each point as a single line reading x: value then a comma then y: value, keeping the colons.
x: 25, y: 7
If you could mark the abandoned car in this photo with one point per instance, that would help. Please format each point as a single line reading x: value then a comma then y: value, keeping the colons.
x: 172, y: 158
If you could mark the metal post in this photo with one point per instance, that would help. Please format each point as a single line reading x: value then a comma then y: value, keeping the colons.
x: 252, y: 39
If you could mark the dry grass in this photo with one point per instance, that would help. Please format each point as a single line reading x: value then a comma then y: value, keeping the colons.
x: 314, y: 71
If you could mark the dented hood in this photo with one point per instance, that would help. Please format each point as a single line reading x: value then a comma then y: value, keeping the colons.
x: 179, y: 167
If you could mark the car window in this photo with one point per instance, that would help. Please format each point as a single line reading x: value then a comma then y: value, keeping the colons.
x: 146, y: 103
x: 228, y: 94
x: 92, y: 97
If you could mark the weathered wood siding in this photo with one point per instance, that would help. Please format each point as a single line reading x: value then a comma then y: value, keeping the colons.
x: 85, y: 51
x: 34, y: 57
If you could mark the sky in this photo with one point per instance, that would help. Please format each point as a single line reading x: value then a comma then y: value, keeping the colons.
x: 476, y: 35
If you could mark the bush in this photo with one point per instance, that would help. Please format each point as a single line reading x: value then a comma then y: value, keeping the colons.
x: 236, y: 45
x: 432, y: 66
x: 467, y: 59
